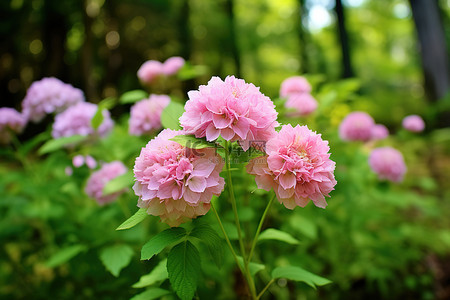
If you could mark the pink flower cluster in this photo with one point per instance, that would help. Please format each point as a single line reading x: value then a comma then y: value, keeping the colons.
x: 356, y: 126
x: 297, y: 166
x: 145, y: 116
x: 413, y: 123
x: 297, y: 91
x: 11, y: 121
x: 379, y: 132
x: 97, y: 181
x: 76, y: 120
x: 233, y: 109
x: 387, y: 163
x: 152, y: 69
x: 49, y: 95
x: 174, y: 182
x: 80, y: 160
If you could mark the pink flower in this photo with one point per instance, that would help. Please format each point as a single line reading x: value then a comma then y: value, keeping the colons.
x: 233, y: 109
x: 294, y: 85
x: 303, y: 103
x: 11, y: 121
x: 76, y: 120
x: 413, y: 123
x: 98, y: 180
x: 172, y: 65
x: 174, y: 182
x: 149, y: 71
x: 145, y: 115
x: 91, y: 163
x: 49, y: 95
x: 379, y: 132
x: 387, y: 163
x: 356, y: 126
x: 78, y: 161
x: 297, y: 166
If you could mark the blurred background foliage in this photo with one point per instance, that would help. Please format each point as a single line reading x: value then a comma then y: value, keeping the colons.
x: 374, y: 241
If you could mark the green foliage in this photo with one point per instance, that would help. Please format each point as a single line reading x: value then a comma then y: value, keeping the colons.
x: 133, y: 96
x: 56, y: 144
x: 209, y: 236
x: 105, y: 104
x: 171, y: 115
x: 63, y: 255
x: 150, y: 294
x: 275, y: 234
x: 190, y: 141
x: 159, y: 273
x: 183, y: 266
x: 135, y: 219
x: 161, y: 241
x: 299, y: 274
x: 119, y: 183
x: 253, y: 267
x: 116, y: 257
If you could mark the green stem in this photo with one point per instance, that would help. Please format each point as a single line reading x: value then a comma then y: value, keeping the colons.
x: 265, y: 289
x: 226, y: 236
x: 258, y: 231
x: 247, y: 274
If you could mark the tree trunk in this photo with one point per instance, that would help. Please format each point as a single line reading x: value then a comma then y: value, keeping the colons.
x: 234, y: 46
x: 347, y: 70
x: 302, y: 37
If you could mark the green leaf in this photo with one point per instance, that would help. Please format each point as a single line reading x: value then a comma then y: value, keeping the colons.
x: 135, y: 219
x: 254, y: 267
x: 56, y: 144
x: 64, y: 255
x: 161, y: 241
x: 133, y: 96
x: 116, y: 257
x: 189, y: 71
x: 183, y: 266
x: 158, y: 273
x: 190, y: 141
x: 275, y: 234
x: 209, y: 236
x: 171, y: 115
x: 97, y: 119
x: 119, y: 183
x: 150, y: 294
x: 299, y: 274
x: 304, y: 226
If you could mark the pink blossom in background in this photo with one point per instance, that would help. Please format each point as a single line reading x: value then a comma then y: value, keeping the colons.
x: 11, y: 121
x: 98, y: 180
x: 174, y: 182
x: 413, y: 123
x: 68, y: 171
x: 76, y: 120
x: 149, y: 71
x: 91, y: 163
x: 172, y: 65
x: 304, y: 103
x: 356, y: 126
x: 145, y: 116
x: 294, y: 85
x: 233, y: 109
x: 78, y: 161
x: 297, y: 166
x: 379, y: 132
x: 49, y: 95
x: 387, y: 163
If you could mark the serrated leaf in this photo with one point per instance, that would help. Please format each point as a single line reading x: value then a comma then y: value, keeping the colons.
x: 209, y: 236
x: 190, y: 141
x: 151, y: 293
x: 253, y: 267
x: 133, y: 96
x: 116, y: 257
x: 64, y: 255
x: 56, y: 144
x: 299, y: 274
x: 161, y: 241
x: 119, y: 183
x: 158, y: 273
x: 275, y: 234
x: 183, y: 266
x: 171, y: 115
x: 135, y: 219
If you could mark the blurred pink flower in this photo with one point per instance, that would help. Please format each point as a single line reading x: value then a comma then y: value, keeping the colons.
x: 413, y: 123
x: 303, y: 103
x: 91, y: 163
x: 233, y: 109
x: 297, y: 166
x: 149, y: 71
x: 356, y: 126
x: 379, y: 132
x: 68, y: 170
x: 78, y: 161
x: 172, y: 65
x: 145, y: 117
x: 49, y: 95
x: 174, y: 182
x: 97, y: 181
x: 11, y: 121
x: 387, y: 163
x: 76, y: 120
x: 294, y: 85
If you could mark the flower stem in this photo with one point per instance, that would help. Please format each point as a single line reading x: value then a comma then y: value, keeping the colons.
x: 265, y: 288
x: 255, y: 240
